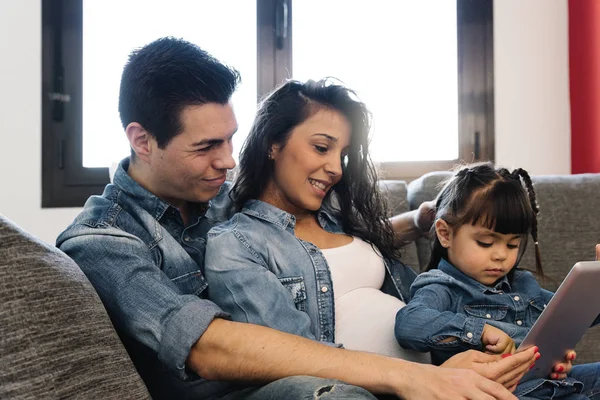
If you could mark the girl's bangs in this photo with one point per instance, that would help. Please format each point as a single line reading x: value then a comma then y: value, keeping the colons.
x: 503, y: 208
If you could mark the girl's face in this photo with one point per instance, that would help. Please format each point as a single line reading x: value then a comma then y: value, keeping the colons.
x: 309, y: 164
x: 478, y: 252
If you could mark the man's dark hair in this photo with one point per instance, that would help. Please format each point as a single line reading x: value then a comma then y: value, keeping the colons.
x: 165, y: 76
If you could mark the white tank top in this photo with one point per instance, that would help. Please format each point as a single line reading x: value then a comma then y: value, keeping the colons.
x: 364, y: 315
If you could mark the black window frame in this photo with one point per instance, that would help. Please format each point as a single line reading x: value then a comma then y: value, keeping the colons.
x: 66, y: 183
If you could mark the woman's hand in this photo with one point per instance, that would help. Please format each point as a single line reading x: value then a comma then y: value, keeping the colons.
x: 562, y: 369
x: 496, y: 341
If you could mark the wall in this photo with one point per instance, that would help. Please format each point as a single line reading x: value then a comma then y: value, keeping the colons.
x: 531, y: 85
x: 531, y: 96
x: 20, y: 122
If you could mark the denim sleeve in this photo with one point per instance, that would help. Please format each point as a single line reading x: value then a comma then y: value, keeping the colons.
x: 426, y: 321
x: 242, y: 285
x: 141, y: 300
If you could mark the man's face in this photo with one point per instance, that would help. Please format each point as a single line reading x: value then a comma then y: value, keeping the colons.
x: 192, y: 167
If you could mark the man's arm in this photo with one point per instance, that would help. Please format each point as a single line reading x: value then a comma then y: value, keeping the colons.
x: 414, y: 224
x: 238, y: 351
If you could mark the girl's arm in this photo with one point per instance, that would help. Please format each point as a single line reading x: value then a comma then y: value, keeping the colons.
x: 241, y: 284
x: 427, y: 323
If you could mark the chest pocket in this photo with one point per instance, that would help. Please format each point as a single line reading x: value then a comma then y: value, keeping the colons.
x: 491, y: 312
x: 494, y: 315
x: 295, y: 285
x: 536, y: 308
x: 191, y: 283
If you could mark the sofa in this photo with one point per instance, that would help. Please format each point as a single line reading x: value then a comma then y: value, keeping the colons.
x: 57, y: 342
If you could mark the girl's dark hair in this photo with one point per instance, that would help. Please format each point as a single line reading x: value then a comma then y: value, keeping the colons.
x: 496, y: 198
x: 356, y: 197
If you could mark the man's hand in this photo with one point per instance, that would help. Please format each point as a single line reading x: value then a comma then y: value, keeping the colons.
x: 598, y: 252
x: 425, y: 216
x: 506, y: 371
x: 429, y: 382
x: 561, y: 369
x: 496, y: 341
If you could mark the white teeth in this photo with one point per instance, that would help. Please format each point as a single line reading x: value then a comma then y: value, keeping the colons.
x: 317, y: 184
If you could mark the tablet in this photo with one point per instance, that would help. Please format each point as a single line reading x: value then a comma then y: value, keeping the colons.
x: 570, y: 312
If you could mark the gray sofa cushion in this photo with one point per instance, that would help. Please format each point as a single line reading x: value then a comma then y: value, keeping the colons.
x: 568, y: 231
x: 395, y: 194
x: 56, y: 340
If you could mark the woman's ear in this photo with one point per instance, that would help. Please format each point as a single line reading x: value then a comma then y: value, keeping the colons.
x: 274, y: 151
x: 443, y: 232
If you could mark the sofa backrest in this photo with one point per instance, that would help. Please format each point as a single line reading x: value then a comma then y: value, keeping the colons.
x: 56, y: 339
x: 568, y: 230
x: 395, y: 193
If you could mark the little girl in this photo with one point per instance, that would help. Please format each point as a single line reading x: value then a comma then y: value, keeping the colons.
x: 474, y: 295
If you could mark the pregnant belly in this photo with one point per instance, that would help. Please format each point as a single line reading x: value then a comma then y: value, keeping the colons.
x: 364, y: 320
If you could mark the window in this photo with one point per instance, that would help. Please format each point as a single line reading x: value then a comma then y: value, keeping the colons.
x: 431, y: 95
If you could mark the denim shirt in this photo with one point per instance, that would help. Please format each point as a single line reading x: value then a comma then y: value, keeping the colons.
x: 447, y: 303
x: 260, y: 272
x: 147, y: 268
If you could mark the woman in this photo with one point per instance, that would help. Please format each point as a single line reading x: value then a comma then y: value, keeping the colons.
x: 311, y: 252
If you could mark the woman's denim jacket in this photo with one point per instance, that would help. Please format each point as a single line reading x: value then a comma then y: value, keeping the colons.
x: 260, y: 272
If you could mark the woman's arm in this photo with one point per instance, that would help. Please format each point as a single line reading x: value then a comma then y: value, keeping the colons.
x: 241, y: 284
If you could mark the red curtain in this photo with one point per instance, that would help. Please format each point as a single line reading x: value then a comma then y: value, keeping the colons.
x: 584, y: 77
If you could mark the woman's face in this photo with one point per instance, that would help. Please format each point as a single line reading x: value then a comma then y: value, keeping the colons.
x: 309, y: 164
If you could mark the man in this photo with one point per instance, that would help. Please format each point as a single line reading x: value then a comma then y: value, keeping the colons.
x: 142, y: 246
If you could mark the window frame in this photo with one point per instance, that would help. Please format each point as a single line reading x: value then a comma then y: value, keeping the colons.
x: 66, y: 183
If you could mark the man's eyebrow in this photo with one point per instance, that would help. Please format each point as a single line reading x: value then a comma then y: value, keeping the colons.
x: 329, y: 137
x: 211, y: 141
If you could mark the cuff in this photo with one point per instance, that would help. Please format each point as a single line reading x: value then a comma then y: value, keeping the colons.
x: 473, y: 331
x: 183, y: 330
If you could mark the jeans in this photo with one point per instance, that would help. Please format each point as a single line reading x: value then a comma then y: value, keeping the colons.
x: 302, y: 388
x: 583, y: 383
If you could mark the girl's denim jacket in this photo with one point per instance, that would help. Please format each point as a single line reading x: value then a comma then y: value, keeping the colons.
x: 260, y: 272
x: 447, y: 303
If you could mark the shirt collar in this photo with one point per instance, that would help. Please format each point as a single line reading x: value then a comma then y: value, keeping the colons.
x: 144, y: 198
x: 268, y: 212
x: 503, y: 285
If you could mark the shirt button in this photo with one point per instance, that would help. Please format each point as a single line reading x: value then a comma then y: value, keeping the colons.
x: 545, y: 305
x: 470, y: 335
x: 517, y: 298
x: 519, y: 322
x: 488, y: 316
x: 324, y: 289
x: 187, y: 238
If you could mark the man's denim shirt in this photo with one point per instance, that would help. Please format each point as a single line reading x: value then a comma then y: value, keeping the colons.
x: 148, y: 270
x: 447, y: 303
x: 260, y: 272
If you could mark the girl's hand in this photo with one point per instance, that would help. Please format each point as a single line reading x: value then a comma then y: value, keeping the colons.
x: 561, y: 369
x: 496, y: 341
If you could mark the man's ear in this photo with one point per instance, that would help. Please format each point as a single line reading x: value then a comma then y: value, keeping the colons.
x: 443, y: 232
x: 139, y: 140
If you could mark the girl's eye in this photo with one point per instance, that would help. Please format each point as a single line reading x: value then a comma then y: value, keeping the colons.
x: 321, y: 149
x: 512, y: 246
x: 483, y: 244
